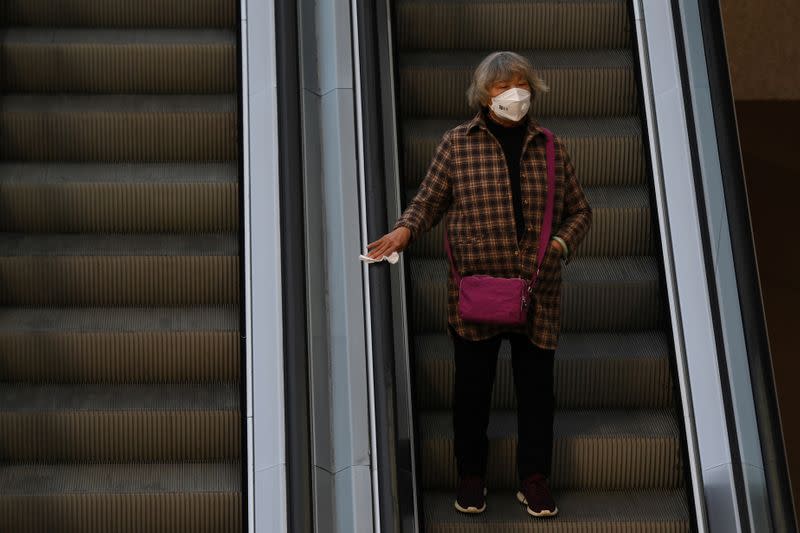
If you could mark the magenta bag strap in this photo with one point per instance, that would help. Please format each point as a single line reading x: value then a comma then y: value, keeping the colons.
x: 547, y: 223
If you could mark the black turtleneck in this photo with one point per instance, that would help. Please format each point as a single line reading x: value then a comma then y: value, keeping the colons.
x: 511, y: 139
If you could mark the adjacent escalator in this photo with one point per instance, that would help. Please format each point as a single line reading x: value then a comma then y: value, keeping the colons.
x: 119, y: 268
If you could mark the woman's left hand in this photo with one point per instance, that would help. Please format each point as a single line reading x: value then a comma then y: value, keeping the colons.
x: 557, y: 245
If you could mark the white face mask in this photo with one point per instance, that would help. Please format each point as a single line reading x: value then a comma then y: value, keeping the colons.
x: 512, y: 104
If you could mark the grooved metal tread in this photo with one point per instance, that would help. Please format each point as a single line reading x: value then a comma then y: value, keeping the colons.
x: 66, y: 244
x: 122, y: 13
x: 35, y: 173
x: 618, y: 197
x: 627, y: 269
x: 592, y: 370
x: 118, y: 103
x: 542, y: 59
x: 118, y: 319
x: 425, y: 128
x: 571, y: 346
x: 599, y: 196
x: 24, y: 35
x: 144, y: 478
x: 511, y: 25
x: 586, y: 423
x: 122, y: 397
x: 596, y: 511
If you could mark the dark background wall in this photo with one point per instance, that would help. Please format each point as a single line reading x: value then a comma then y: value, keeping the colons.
x: 763, y: 54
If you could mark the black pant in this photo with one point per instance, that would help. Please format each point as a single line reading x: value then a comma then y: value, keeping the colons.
x: 476, y: 363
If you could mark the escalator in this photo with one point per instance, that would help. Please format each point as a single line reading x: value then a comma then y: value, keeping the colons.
x: 121, y: 181
x: 119, y: 265
x: 619, y: 461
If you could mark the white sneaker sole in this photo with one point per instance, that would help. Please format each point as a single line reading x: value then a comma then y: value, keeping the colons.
x: 472, y: 509
x: 521, y: 499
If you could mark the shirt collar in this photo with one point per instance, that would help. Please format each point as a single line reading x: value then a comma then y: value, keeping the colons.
x: 478, y: 122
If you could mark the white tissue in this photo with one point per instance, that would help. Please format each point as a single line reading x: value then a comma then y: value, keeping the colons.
x: 392, y: 258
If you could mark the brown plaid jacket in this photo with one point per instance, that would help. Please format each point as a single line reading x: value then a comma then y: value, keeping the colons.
x: 468, y: 180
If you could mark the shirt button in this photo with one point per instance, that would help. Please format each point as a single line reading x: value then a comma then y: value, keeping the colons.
x: 524, y: 202
x: 530, y: 228
x: 516, y: 252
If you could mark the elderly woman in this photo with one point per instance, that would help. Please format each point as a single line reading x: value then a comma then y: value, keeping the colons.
x: 489, y: 176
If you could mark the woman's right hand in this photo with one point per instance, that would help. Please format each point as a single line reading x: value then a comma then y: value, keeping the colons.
x: 394, y: 241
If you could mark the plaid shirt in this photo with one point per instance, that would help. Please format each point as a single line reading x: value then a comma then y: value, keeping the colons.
x: 468, y: 180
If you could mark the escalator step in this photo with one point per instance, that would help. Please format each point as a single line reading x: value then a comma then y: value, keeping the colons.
x: 430, y: 80
x: 605, y: 151
x: 126, y: 498
x: 121, y: 13
x: 31, y: 320
x: 103, y: 60
x: 621, y: 225
x: 598, y: 294
x: 592, y: 370
x: 79, y: 269
x: 592, y: 449
x: 122, y: 127
x: 119, y: 197
x: 120, y: 345
x: 119, y: 423
x: 510, y: 24
x: 652, y: 511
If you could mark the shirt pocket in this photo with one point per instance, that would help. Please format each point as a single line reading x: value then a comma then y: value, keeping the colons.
x: 550, y: 274
x: 466, y: 246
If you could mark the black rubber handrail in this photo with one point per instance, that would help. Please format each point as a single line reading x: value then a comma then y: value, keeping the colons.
x: 244, y: 391
x: 293, y: 272
x: 380, y: 297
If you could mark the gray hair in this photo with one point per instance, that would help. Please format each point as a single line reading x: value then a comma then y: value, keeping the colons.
x: 500, y: 66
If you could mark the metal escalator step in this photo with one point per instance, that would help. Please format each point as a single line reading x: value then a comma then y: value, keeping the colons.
x: 598, y: 294
x: 155, y: 478
x: 119, y: 103
x: 511, y: 24
x: 35, y: 173
x: 125, y: 498
x: 120, y: 345
x: 621, y: 225
x: 121, y: 127
x: 119, y: 197
x: 651, y: 511
x: 119, y: 423
x: 72, y: 244
x: 432, y: 83
x: 104, y: 60
x: 120, y: 13
x: 138, y: 270
x: 592, y: 370
x: 54, y: 320
x: 592, y: 449
x: 605, y: 151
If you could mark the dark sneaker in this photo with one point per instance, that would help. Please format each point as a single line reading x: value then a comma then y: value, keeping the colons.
x: 536, y: 495
x: 471, y: 495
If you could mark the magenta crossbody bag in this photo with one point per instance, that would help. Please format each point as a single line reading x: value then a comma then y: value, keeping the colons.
x: 505, y: 301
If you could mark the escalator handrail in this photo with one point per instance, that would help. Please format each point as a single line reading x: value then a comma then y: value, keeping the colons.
x: 747, y: 281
